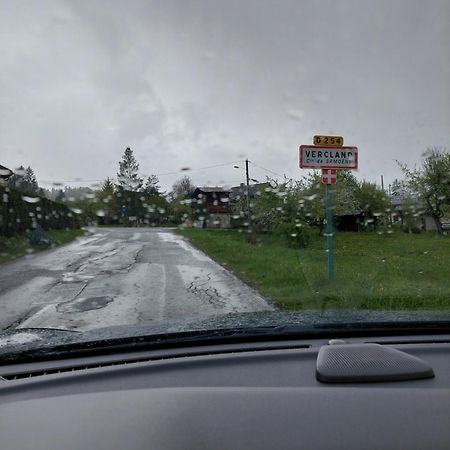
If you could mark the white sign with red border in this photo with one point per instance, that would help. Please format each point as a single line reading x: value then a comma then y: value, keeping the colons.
x: 317, y: 157
x: 329, y: 176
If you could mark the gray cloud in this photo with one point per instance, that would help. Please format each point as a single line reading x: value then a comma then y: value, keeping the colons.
x: 196, y: 83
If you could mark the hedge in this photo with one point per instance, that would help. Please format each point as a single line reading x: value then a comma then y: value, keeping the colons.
x: 18, y: 213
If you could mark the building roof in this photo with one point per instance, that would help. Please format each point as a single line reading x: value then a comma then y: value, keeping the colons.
x: 212, y: 189
x: 241, y: 190
x: 398, y: 199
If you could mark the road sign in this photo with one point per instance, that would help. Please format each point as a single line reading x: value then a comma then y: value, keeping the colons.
x: 329, y: 154
x: 329, y: 176
x: 329, y: 141
x: 322, y: 157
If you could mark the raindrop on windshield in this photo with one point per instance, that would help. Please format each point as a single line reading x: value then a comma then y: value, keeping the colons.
x: 27, y: 199
x: 20, y: 172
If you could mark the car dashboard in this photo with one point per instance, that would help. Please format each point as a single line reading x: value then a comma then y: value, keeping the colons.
x: 252, y: 395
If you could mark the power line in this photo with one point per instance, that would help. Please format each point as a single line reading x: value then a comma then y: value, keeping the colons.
x: 267, y: 170
x: 187, y: 169
x: 72, y: 181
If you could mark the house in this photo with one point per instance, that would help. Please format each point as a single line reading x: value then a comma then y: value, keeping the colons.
x: 240, y: 192
x: 410, y: 211
x: 212, y: 206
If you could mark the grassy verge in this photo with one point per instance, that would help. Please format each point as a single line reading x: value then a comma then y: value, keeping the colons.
x: 397, y: 271
x: 15, y: 246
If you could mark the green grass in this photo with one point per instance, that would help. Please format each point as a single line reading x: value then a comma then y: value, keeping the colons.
x: 13, y: 247
x: 396, y: 271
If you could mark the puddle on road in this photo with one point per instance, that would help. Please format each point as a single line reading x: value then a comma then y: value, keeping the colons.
x: 73, y: 277
x: 84, y: 304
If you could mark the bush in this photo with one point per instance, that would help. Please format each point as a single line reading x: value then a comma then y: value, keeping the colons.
x: 18, y: 215
x: 296, y: 234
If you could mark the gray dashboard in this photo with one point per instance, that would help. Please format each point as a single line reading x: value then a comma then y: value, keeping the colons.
x: 252, y: 396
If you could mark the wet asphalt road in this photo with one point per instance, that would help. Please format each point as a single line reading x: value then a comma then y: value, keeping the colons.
x: 119, y: 276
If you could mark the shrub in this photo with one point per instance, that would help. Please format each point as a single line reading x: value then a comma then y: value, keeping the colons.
x: 17, y: 215
x: 296, y: 234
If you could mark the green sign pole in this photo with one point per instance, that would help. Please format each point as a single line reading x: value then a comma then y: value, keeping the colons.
x: 329, y: 215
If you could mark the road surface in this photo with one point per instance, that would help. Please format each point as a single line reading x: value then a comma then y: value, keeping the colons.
x: 119, y: 276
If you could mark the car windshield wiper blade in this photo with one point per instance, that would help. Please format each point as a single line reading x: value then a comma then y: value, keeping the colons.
x: 76, y: 345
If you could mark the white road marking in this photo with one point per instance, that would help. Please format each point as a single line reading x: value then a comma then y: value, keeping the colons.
x: 38, y: 317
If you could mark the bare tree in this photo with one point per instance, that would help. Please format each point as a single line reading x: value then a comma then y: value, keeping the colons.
x: 183, y: 188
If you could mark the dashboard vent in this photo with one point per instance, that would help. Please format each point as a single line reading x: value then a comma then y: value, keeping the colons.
x: 121, y: 362
x: 52, y: 371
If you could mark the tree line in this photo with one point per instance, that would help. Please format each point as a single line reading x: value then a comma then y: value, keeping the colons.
x: 288, y: 206
x: 423, y: 191
x: 133, y: 200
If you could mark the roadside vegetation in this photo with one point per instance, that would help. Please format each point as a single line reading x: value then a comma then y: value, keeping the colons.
x: 373, y: 271
x: 285, y: 214
x: 18, y: 245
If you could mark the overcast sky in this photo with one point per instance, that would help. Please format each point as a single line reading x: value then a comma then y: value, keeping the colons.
x: 196, y: 83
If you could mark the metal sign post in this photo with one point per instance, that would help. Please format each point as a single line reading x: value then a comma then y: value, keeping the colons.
x: 329, y: 216
x: 329, y: 177
x: 328, y: 154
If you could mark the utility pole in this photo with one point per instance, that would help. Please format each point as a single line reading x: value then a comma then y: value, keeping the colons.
x: 248, y: 192
x: 252, y: 237
x: 382, y: 182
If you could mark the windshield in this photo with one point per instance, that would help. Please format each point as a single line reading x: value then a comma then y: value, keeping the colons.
x: 198, y: 165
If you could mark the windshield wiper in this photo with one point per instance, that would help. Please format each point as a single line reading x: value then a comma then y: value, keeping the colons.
x: 79, y: 345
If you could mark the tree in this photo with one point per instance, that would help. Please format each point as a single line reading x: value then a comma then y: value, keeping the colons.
x: 60, y: 197
x: 399, y: 188
x: 345, y: 201
x: 431, y: 182
x: 128, y: 177
x: 29, y: 183
x: 373, y: 202
x: 312, y: 202
x: 151, y: 187
x: 183, y: 188
x: 108, y: 202
x: 129, y: 185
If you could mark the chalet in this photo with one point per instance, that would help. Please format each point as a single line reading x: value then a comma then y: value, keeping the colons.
x: 240, y: 192
x: 213, y: 206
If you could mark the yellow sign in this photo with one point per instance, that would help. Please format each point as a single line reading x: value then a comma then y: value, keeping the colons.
x: 329, y: 141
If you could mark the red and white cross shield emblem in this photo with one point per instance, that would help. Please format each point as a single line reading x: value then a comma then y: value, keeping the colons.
x: 329, y: 176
